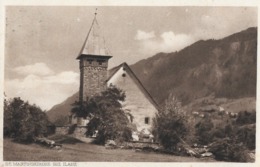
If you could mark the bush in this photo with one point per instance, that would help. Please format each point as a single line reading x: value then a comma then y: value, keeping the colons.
x: 247, y: 135
x: 246, y: 128
x: 169, y: 124
x: 228, y: 150
x: 203, y: 131
x: 222, y: 131
x: 23, y: 121
x: 246, y: 117
x: 218, y: 133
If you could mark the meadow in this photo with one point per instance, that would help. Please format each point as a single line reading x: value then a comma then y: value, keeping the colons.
x: 85, y: 152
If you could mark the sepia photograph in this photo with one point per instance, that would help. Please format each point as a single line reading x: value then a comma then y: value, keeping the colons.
x: 129, y: 84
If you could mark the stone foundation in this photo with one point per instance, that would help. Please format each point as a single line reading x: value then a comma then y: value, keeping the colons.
x: 76, y: 131
x: 80, y: 131
x: 62, y: 130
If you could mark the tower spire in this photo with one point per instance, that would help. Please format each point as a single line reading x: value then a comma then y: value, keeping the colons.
x: 94, y: 43
x: 96, y: 12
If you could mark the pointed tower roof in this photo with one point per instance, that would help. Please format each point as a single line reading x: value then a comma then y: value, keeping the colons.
x: 94, y: 44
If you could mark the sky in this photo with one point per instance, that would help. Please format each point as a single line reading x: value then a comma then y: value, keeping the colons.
x: 42, y: 42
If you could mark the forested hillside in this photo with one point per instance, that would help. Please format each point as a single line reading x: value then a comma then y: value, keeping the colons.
x: 225, y: 67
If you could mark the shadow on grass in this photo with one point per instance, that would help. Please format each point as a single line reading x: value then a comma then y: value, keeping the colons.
x: 19, y: 141
x: 64, y: 139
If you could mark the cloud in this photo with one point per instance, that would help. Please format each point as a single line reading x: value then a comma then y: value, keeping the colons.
x: 172, y: 42
x: 36, y: 69
x: 142, y: 35
x: 66, y: 77
x: 211, y: 27
x: 217, y: 23
x: 166, y: 42
x: 44, y: 91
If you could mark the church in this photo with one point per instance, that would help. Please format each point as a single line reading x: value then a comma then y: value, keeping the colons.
x: 95, y: 78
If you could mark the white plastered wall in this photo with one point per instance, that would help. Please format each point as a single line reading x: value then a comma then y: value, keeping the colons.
x: 136, y: 101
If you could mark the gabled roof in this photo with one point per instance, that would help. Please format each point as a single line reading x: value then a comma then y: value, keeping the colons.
x: 94, y: 43
x: 114, y: 70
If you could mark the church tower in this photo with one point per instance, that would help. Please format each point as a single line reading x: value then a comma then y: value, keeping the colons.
x: 93, y: 63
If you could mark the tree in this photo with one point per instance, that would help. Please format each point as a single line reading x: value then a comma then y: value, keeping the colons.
x: 203, y: 130
x: 246, y: 117
x: 169, y: 124
x: 106, y: 116
x: 7, y: 119
x: 23, y: 121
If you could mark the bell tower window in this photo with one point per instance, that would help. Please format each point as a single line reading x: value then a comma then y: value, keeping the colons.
x: 89, y: 61
x: 146, y: 120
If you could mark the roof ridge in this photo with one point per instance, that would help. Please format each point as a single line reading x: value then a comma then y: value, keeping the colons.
x: 137, y: 79
x: 114, y: 70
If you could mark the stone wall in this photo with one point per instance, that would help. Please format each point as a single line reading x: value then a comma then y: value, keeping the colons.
x: 62, y: 130
x: 140, y: 145
x: 78, y: 131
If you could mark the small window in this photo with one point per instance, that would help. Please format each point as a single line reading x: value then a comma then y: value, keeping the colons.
x: 123, y: 75
x: 89, y: 61
x: 100, y: 63
x: 146, y: 120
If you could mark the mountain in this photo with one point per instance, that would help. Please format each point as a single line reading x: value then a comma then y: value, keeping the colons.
x: 222, y: 68
x: 62, y: 109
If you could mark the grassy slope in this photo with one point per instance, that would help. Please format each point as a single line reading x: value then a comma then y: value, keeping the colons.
x: 243, y: 104
x: 84, y: 152
x: 230, y: 105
